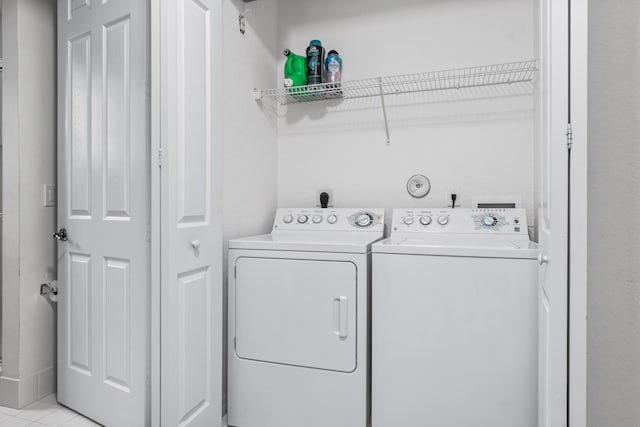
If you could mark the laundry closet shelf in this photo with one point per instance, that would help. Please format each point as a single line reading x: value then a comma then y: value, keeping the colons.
x: 460, y: 78
x: 453, y: 80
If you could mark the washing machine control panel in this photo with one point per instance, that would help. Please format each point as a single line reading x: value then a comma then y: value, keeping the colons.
x: 331, y: 219
x: 462, y: 221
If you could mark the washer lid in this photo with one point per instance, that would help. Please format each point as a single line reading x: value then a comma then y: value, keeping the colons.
x: 309, y: 242
x: 458, y: 245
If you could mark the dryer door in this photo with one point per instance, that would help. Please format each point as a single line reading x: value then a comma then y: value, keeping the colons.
x: 296, y: 312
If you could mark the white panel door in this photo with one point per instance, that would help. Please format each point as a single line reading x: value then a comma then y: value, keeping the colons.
x: 103, y: 179
x: 191, y: 257
x: 553, y: 175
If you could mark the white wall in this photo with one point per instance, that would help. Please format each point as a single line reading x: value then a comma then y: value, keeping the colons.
x: 28, y: 329
x: 250, y: 149
x: 613, y: 357
x: 250, y: 160
x: 482, y: 147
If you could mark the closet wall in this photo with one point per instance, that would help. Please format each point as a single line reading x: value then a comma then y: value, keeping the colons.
x: 477, y: 146
x: 250, y: 160
x: 474, y: 142
x: 249, y: 135
x: 613, y: 378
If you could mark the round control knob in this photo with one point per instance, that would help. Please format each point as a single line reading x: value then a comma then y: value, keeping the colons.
x: 364, y: 220
x: 317, y: 219
x: 443, y: 220
x: 425, y: 220
x: 287, y: 219
x: 408, y: 220
x: 332, y: 219
x: 302, y: 219
x: 490, y: 221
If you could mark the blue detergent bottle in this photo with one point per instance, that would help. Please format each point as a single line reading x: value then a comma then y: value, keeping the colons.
x: 333, y: 67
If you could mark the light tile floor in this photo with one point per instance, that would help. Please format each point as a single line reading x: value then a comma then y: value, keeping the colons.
x: 43, y: 413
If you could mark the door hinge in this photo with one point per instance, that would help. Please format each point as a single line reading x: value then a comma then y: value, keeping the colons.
x: 569, y: 136
x: 160, y: 158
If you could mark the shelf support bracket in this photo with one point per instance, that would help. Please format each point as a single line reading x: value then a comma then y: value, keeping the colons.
x: 384, y: 111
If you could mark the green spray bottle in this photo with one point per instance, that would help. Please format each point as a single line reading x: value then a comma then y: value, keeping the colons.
x: 295, y: 70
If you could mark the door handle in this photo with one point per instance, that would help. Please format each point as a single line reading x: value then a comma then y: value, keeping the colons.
x: 340, y: 319
x: 543, y: 259
x: 61, y: 235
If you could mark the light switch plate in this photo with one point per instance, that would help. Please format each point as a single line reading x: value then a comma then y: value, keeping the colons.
x: 50, y: 196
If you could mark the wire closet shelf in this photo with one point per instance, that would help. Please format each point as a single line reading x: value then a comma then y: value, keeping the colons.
x: 459, y: 78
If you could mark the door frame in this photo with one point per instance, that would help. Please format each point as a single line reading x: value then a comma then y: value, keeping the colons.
x: 578, y: 59
x: 578, y: 214
x: 156, y: 43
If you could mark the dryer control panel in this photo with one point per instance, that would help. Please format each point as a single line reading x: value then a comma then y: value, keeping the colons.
x: 331, y: 219
x: 460, y: 221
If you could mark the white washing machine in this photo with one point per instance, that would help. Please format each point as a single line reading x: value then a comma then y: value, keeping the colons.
x: 299, y: 320
x: 454, y: 312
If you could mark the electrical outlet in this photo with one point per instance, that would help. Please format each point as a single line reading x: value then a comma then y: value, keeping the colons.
x: 332, y: 201
x: 454, y: 189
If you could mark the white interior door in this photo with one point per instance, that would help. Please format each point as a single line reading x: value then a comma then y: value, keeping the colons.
x: 553, y: 175
x: 191, y: 253
x: 103, y: 176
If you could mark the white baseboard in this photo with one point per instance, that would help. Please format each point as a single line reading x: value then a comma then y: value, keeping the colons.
x: 20, y: 392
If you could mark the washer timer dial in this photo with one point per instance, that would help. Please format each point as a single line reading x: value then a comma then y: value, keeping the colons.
x: 489, y: 221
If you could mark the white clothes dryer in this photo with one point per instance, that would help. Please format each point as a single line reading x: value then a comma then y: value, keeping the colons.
x: 454, y: 312
x: 299, y: 320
